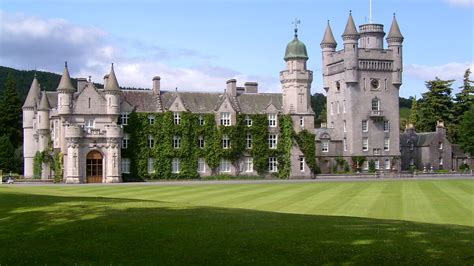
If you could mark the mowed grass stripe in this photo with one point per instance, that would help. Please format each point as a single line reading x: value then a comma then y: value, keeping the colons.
x: 388, y: 204
x: 292, y: 204
x: 327, y: 200
x: 361, y: 203
x: 466, y: 200
x: 450, y: 207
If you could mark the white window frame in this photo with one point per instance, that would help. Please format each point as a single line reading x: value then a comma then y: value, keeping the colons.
x: 151, y: 119
x: 338, y: 107
x: 224, y: 166
x: 387, y: 164
x: 301, y: 121
x: 125, y: 166
x: 344, y: 106
x: 440, y: 145
x: 225, y: 142
x: 386, y: 126
x: 302, y: 162
x: 176, y: 118
x: 344, y: 144
x: 248, y: 164
x: 248, y: 141
x: 175, y: 166
x: 365, y: 144
x: 201, y: 165
x: 176, y: 142
x: 272, y: 141
x: 441, y: 161
x: 272, y: 165
x: 225, y: 119
x: 88, y: 125
x: 151, y: 141
x: 124, y: 116
x: 344, y: 126
x: 375, y: 104
x: 377, y: 164
x: 386, y: 144
x: 201, y: 120
x: 125, y: 141
x: 248, y: 121
x: 365, y: 125
x: 325, y: 145
x: 272, y: 120
x: 365, y: 165
x: 201, y: 142
x: 150, y: 165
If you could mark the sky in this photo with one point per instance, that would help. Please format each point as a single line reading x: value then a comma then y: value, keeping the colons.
x: 198, y: 45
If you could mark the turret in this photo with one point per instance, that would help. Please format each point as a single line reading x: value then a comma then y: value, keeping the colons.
x: 65, y: 93
x: 112, y: 93
x: 371, y: 36
x: 328, y: 46
x: 395, y: 43
x: 29, y: 147
x: 351, y: 50
x: 43, y: 113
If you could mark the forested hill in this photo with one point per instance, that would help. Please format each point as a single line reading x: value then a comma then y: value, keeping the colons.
x: 49, y: 81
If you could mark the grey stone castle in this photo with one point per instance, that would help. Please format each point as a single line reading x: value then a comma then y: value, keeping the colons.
x: 362, y: 81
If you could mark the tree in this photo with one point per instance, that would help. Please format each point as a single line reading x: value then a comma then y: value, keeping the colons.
x: 10, y: 112
x: 462, y: 103
x: 7, y: 161
x: 466, y: 131
x: 318, y: 103
x: 436, y: 104
x: 414, y: 113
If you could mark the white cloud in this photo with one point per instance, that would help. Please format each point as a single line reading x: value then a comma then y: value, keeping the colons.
x: 30, y: 42
x: 453, y: 70
x: 461, y: 3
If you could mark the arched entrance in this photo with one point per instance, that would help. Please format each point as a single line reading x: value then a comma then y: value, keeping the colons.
x: 94, y: 165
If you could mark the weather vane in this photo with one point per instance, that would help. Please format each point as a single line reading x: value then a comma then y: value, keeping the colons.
x: 296, y: 23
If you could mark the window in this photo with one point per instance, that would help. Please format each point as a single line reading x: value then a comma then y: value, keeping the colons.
x: 386, y: 126
x: 89, y: 103
x: 375, y: 104
x: 125, y: 166
x: 440, y: 160
x: 89, y: 125
x: 386, y: 144
x: 387, y: 164
x: 248, y: 121
x: 248, y: 164
x: 224, y: 166
x: 365, y: 126
x: 440, y: 145
x: 272, y: 120
x: 301, y: 121
x: 151, y: 119
x: 332, y: 109
x: 365, y: 144
x: 201, y: 121
x: 412, y: 161
x: 151, y: 142
x: 344, y: 106
x: 125, y: 140
x: 201, y: 165
x: 377, y: 164
x: 124, y: 118
x: 332, y: 124
x: 302, y: 164
x: 150, y: 165
x: 175, y: 166
x: 225, y: 119
x: 272, y: 141
x: 272, y: 165
x: 344, y: 143
x: 325, y: 145
x: 201, y: 143
x: 337, y: 107
x: 225, y: 142
x: 176, y: 142
x: 345, y: 126
x: 376, y: 151
x: 248, y: 141
x: 365, y: 165
x: 176, y: 118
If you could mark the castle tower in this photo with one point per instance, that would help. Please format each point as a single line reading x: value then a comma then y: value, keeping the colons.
x: 328, y: 46
x: 296, y: 83
x: 42, y: 121
x: 65, y: 93
x: 112, y: 94
x: 29, y: 147
x: 362, y: 85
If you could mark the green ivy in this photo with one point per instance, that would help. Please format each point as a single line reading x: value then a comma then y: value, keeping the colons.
x: 58, y: 167
x: 306, y: 142
x: 37, y: 165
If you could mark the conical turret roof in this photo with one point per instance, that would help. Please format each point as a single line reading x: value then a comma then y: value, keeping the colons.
x: 112, y: 83
x: 33, y: 94
x: 44, y: 104
x: 65, y: 83
x: 350, y: 29
x: 328, y: 36
x: 394, y: 30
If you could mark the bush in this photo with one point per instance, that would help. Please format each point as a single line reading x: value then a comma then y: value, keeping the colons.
x: 464, y: 167
x: 371, y: 166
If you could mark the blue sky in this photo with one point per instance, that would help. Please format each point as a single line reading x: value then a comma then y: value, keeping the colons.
x: 198, y: 45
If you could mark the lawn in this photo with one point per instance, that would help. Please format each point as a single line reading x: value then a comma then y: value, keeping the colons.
x: 377, y: 222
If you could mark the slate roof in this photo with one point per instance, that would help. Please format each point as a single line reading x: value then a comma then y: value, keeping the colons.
x: 395, y: 30
x: 425, y: 139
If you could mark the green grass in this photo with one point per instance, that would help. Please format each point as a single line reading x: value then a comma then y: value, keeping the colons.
x: 381, y: 222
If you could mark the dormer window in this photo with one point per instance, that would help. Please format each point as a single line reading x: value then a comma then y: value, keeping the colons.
x: 201, y: 120
x: 248, y: 121
x: 176, y: 118
x: 272, y: 120
x: 225, y: 119
x: 151, y: 119
x: 124, y: 118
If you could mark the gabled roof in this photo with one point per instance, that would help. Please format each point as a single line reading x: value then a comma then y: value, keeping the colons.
x: 33, y: 94
x: 425, y: 139
x: 257, y: 103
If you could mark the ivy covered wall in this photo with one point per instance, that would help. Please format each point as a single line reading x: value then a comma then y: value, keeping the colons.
x: 163, y: 129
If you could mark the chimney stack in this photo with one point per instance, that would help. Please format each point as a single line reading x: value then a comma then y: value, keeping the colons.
x: 106, y: 77
x: 251, y: 87
x: 81, y: 83
x: 156, y: 84
x: 232, y: 87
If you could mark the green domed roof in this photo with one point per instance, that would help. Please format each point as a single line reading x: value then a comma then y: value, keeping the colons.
x: 296, y: 50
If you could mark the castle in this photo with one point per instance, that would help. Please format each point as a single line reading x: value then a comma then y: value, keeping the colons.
x: 86, y: 126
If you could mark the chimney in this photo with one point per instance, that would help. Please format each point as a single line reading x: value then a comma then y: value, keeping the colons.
x: 251, y: 87
x: 232, y: 87
x: 240, y: 90
x: 106, y: 77
x: 81, y: 83
x: 156, y: 84
x: 409, y: 128
x: 440, y: 127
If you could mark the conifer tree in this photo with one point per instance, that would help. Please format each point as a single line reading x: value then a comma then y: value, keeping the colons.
x: 462, y: 102
x: 7, y: 161
x: 466, y: 131
x: 10, y: 112
x: 436, y: 104
x: 414, y: 113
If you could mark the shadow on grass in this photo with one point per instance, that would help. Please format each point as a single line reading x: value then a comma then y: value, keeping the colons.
x: 94, y: 230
